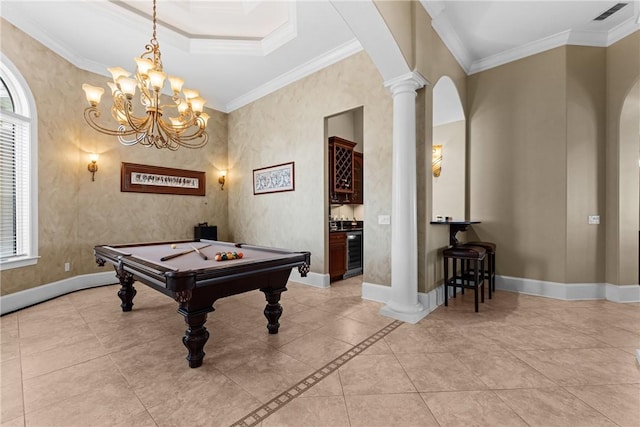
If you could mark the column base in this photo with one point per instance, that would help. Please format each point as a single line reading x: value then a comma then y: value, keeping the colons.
x: 407, y: 313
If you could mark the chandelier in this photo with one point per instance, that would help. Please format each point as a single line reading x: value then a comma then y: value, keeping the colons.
x: 186, y: 128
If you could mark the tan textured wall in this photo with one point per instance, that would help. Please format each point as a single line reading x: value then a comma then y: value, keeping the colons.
x: 623, y: 72
x: 448, y: 192
x: 288, y: 125
x: 517, y: 162
x: 76, y: 214
x: 586, y: 101
x: 629, y: 187
x: 398, y: 15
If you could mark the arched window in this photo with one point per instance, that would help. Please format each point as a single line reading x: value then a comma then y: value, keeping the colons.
x: 18, y: 170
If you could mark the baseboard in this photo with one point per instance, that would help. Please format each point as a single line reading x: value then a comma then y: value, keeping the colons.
x: 569, y: 291
x: 625, y: 293
x: 313, y: 279
x: 28, y: 297
x: 370, y: 291
x: 379, y: 293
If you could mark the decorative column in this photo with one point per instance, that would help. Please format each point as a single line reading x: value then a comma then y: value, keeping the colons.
x: 404, y: 304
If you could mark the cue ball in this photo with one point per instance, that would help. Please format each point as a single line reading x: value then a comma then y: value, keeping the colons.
x: 173, y: 246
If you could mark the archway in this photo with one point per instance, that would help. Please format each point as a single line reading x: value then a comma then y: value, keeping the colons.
x: 629, y: 188
x: 448, y: 152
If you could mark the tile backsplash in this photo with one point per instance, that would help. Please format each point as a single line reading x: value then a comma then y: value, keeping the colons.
x: 338, y: 212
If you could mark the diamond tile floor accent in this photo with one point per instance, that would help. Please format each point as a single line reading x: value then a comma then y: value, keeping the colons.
x: 78, y: 360
x: 313, y: 379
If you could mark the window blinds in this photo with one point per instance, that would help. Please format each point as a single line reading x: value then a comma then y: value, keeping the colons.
x: 14, y: 185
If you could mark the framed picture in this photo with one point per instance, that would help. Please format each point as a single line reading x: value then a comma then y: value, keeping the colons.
x: 274, y: 179
x: 156, y: 179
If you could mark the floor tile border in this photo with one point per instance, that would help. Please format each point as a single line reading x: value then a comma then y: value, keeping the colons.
x: 258, y: 415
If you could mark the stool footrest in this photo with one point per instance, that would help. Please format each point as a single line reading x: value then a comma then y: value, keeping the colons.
x: 465, y: 280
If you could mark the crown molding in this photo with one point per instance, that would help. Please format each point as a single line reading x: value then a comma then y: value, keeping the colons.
x: 565, y: 38
x: 192, y: 43
x: 442, y: 26
x: 284, y: 34
x: 601, y: 39
x: 35, y: 31
x: 204, y: 44
x: 520, y: 52
x: 448, y: 35
x: 587, y: 38
x: 338, y: 54
x: 257, y: 47
x: 623, y: 30
x: 30, y: 27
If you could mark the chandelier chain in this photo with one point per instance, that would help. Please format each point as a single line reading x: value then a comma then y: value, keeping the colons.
x: 154, y: 23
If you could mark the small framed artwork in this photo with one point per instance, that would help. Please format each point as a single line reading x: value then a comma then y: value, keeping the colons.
x: 156, y: 179
x: 274, y: 179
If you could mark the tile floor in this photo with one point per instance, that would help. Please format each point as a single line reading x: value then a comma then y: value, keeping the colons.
x: 78, y: 361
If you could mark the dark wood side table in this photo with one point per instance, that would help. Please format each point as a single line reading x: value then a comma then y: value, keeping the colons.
x: 454, y: 227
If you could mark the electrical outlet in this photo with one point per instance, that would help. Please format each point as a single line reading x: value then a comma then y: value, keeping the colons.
x: 594, y: 219
x: 384, y: 219
x: 67, y: 266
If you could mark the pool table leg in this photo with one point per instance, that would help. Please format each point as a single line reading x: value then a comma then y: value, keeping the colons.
x: 196, y: 335
x: 273, y: 310
x: 127, y: 291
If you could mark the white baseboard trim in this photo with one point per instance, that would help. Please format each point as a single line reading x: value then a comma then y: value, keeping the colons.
x: 28, y: 297
x: 625, y: 293
x: 379, y: 293
x: 411, y: 317
x: 569, y: 291
x: 370, y: 291
x: 313, y: 279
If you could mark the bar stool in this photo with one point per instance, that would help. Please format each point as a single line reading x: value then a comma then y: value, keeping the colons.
x: 471, y: 273
x: 490, y: 271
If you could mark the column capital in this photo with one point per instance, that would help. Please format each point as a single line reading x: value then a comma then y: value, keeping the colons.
x: 407, y: 82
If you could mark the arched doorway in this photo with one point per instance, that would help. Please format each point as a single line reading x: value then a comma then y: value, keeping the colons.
x: 448, y: 152
x: 629, y: 188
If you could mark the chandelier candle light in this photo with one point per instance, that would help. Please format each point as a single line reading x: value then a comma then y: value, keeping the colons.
x: 186, y: 129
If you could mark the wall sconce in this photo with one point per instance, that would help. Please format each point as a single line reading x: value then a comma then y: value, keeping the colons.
x: 436, y: 161
x: 221, y: 179
x: 93, y: 166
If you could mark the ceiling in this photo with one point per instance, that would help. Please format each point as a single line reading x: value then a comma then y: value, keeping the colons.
x: 485, y: 34
x: 237, y: 51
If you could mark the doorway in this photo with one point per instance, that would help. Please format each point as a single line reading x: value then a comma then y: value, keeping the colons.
x: 344, y: 139
x: 629, y: 188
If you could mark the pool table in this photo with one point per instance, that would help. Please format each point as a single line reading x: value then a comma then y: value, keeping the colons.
x: 196, y: 280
